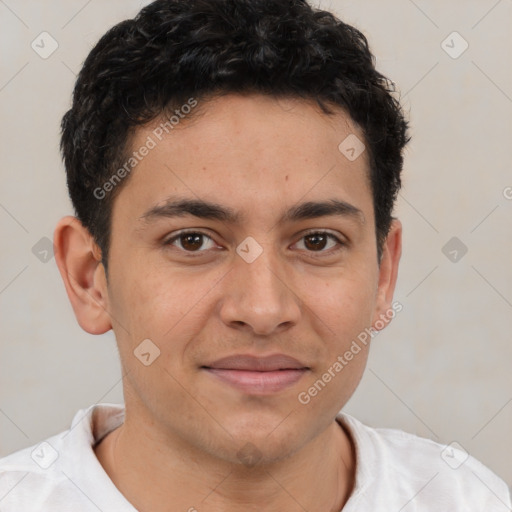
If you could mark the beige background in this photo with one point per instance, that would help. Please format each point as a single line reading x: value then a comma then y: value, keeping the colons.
x: 441, y: 369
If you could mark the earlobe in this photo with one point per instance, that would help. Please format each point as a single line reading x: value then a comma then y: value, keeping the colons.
x: 388, y: 272
x: 79, y: 262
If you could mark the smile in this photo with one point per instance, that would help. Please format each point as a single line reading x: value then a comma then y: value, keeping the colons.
x: 258, y: 375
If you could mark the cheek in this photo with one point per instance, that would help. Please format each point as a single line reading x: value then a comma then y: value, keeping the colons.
x: 343, y: 314
x: 345, y: 305
x: 153, y: 308
x: 168, y: 307
x: 139, y: 303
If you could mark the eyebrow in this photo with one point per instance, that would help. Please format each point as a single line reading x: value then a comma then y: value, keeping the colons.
x: 213, y: 211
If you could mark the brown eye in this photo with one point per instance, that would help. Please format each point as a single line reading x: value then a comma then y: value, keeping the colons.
x: 316, y: 241
x: 321, y: 241
x: 191, y: 241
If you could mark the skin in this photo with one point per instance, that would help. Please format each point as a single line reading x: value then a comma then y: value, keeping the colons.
x: 183, y: 429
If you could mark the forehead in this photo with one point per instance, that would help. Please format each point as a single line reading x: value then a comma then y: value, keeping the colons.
x: 247, y: 152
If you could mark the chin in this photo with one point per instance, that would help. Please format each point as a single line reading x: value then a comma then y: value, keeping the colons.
x: 262, y: 439
x: 258, y: 452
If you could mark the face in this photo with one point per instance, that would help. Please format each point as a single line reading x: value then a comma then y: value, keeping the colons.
x: 251, y: 299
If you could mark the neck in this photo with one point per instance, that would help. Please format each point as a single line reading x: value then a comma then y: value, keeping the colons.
x: 162, y: 477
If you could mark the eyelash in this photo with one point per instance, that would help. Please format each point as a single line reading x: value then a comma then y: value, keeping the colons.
x: 340, y: 243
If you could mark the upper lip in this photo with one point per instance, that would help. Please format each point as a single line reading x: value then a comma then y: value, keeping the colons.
x: 255, y: 363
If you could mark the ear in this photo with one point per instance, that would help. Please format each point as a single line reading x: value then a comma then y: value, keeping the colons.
x: 388, y: 272
x: 79, y: 260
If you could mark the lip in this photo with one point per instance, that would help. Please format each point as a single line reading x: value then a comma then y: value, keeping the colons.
x: 257, y: 363
x: 258, y: 375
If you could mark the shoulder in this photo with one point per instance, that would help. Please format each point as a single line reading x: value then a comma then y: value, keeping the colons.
x: 432, y: 474
x: 54, y: 474
x: 31, y: 475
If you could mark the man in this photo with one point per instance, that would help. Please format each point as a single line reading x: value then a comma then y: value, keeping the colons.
x: 233, y: 166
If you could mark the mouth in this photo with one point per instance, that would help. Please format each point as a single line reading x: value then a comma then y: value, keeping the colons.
x: 258, y: 375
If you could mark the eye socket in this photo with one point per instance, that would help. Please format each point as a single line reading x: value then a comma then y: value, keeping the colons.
x: 193, y: 238
x: 191, y: 241
x: 320, y: 239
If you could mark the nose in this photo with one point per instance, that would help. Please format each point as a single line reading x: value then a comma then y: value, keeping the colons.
x: 260, y: 296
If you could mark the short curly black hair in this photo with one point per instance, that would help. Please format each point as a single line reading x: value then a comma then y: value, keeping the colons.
x: 173, y: 50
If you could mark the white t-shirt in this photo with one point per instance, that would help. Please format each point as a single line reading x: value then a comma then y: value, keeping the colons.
x: 395, y: 471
